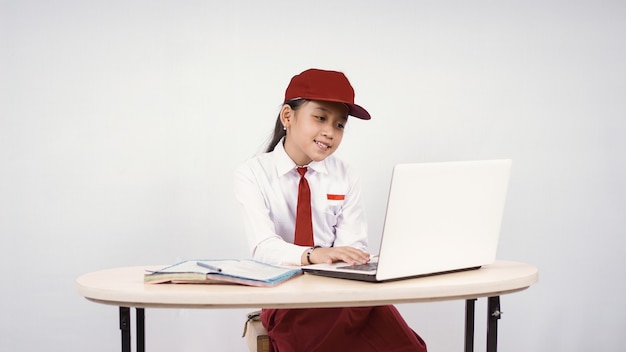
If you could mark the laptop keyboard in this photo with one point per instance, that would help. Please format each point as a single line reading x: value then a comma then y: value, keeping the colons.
x: 361, y: 267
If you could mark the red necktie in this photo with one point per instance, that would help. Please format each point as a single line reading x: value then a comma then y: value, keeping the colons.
x: 304, y: 224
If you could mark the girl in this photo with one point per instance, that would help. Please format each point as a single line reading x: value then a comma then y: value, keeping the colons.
x: 301, y: 205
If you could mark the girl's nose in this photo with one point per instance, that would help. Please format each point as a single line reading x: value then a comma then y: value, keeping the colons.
x: 327, y: 131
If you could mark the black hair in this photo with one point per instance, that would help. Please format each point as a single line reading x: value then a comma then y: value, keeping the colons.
x: 279, y: 130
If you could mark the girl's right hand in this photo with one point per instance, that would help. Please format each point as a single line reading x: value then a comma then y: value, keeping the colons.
x: 330, y: 255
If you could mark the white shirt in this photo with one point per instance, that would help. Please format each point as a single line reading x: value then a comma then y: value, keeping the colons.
x: 266, y: 187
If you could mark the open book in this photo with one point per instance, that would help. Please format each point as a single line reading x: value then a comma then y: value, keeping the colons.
x: 244, y: 272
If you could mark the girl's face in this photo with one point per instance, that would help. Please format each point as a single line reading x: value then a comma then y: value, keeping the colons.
x: 314, y: 130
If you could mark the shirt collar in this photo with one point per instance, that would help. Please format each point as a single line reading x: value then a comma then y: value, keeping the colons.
x: 284, y: 164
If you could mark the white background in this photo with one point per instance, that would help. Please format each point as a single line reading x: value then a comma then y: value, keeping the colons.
x: 121, y: 123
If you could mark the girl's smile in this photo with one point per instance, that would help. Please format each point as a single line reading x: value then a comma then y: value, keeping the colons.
x: 322, y: 145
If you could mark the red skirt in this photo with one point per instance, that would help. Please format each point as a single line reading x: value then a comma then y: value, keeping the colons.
x: 362, y: 329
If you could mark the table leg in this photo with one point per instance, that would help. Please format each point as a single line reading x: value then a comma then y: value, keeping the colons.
x: 141, y: 330
x: 469, y: 324
x: 494, y: 314
x: 125, y: 328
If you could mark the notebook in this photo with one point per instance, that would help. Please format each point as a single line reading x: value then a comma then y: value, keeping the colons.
x: 441, y: 217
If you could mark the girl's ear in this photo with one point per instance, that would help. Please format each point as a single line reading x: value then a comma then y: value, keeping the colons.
x: 286, y: 116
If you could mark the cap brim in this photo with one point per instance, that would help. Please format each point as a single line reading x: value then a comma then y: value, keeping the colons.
x: 353, y: 109
x: 358, y: 111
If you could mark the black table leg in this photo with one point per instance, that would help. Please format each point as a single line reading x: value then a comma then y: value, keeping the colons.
x: 469, y: 324
x: 125, y: 328
x: 494, y: 314
x: 141, y: 329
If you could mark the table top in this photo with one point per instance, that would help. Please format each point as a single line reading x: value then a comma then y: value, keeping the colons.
x: 125, y: 287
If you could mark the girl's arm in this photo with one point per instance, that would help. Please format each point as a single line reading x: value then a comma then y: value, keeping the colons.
x: 265, y: 244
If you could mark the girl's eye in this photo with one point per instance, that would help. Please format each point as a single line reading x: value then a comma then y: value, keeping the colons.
x: 321, y: 118
x: 341, y: 126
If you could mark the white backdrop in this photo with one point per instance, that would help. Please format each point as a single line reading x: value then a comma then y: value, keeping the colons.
x: 121, y: 123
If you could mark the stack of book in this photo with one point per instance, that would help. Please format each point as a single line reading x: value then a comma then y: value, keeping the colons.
x: 227, y: 271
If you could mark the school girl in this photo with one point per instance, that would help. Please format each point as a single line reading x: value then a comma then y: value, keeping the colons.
x: 301, y: 205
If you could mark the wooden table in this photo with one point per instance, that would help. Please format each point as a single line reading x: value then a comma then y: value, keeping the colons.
x: 124, y: 287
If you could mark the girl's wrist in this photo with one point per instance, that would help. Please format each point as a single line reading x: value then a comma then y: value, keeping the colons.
x: 309, y: 252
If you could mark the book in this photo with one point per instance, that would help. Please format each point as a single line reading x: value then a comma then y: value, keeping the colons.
x: 224, y: 271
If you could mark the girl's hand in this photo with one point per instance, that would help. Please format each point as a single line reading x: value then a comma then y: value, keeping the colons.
x: 330, y: 255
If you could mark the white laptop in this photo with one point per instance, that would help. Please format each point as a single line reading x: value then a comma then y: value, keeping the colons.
x: 441, y: 217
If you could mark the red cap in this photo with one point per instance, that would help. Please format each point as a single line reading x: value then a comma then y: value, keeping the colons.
x: 315, y: 84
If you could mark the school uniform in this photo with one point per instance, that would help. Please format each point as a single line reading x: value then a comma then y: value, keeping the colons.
x: 266, y: 187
